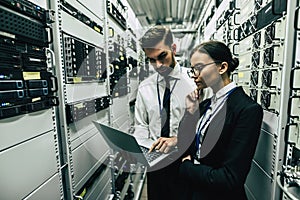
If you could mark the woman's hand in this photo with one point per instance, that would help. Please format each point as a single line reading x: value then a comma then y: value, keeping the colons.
x: 186, y: 158
x: 193, y: 99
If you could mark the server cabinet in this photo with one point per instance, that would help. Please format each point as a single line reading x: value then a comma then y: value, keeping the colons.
x: 81, y: 67
x: 264, y: 36
x: 29, y: 151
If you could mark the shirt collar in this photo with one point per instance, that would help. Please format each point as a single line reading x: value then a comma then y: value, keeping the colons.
x: 223, y: 91
x: 174, y: 74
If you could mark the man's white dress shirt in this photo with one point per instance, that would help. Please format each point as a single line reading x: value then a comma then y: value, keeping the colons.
x: 147, y: 110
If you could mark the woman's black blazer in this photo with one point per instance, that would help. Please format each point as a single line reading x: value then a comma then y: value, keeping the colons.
x: 227, y: 150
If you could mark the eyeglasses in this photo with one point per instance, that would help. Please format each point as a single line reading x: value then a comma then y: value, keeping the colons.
x: 197, y: 68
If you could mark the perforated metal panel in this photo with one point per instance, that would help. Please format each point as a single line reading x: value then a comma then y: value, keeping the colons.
x: 18, y: 25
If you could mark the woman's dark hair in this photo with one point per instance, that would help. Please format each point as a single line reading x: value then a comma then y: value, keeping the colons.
x: 218, y: 51
x: 155, y: 35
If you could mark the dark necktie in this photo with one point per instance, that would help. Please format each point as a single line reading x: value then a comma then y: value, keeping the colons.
x: 165, y: 115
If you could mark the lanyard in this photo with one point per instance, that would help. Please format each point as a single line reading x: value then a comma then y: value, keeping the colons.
x: 200, y: 126
x: 158, y: 95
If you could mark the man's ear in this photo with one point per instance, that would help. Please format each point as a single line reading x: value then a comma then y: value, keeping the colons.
x: 223, y: 68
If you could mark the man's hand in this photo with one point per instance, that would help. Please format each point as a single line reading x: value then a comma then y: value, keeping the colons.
x: 193, y: 99
x: 187, y: 158
x: 164, y: 144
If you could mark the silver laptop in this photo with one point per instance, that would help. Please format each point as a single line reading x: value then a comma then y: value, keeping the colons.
x: 138, y: 148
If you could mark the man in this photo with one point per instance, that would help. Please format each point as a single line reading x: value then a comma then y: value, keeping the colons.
x: 160, y: 105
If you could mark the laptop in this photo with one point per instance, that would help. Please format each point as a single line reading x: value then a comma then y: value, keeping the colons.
x: 138, y: 148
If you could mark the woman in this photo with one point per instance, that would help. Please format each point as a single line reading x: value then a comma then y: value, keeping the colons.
x: 223, y: 131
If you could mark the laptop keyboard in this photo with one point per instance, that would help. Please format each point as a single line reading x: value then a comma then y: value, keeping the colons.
x: 150, y: 156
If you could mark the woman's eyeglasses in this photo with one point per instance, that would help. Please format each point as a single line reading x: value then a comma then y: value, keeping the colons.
x: 197, y: 68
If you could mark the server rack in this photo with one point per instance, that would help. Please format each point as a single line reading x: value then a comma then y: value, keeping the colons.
x: 65, y: 64
x: 93, y: 72
x: 263, y: 35
x: 29, y: 151
x: 81, y: 67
